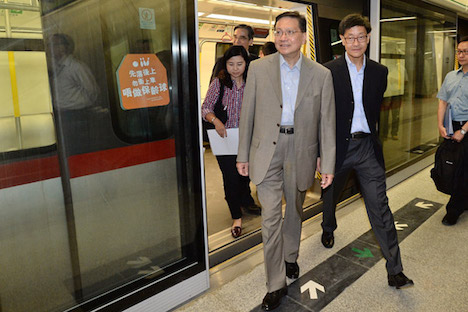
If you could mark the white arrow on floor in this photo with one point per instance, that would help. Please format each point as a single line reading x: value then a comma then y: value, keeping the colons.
x: 423, y: 205
x: 141, y: 262
x: 312, y: 287
x: 399, y: 227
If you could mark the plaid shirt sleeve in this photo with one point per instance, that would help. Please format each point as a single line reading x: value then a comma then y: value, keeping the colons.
x: 211, y: 98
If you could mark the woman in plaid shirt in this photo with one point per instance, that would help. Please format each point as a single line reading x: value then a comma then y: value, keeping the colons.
x: 232, y: 75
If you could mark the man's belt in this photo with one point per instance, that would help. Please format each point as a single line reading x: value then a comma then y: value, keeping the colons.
x: 287, y: 130
x: 359, y: 135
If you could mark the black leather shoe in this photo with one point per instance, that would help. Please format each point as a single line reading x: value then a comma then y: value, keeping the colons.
x: 273, y: 300
x: 253, y: 209
x: 328, y: 240
x: 399, y: 281
x: 449, y: 219
x: 292, y: 270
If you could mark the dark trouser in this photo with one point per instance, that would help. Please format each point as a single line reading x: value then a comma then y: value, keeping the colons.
x: 459, y: 200
x: 236, y: 187
x: 371, y: 177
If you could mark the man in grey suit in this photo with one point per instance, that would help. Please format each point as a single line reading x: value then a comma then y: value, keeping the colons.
x: 288, y: 110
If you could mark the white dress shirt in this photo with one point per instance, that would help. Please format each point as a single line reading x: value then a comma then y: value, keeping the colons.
x: 359, y: 123
x: 289, y: 86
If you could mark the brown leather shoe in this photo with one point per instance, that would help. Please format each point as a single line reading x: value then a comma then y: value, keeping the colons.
x: 272, y: 300
x: 236, y: 231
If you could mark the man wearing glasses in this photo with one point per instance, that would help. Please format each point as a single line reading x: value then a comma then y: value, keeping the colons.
x: 454, y: 91
x: 288, y: 110
x: 359, y: 87
x: 243, y: 36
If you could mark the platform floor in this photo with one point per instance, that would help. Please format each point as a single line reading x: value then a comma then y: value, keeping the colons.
x: 433, y: 255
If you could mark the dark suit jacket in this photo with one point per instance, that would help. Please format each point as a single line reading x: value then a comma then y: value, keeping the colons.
x: 217, y: 66
x: 374, y: 86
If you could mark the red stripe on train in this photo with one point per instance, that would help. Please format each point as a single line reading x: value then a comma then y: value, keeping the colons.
x: 28, y: 171
x: 90, y: 163
x: 35, y: 170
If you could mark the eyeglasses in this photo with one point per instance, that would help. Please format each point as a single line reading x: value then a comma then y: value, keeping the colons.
x: 240, y: 38
x: 462, y: 52
x: 287, y: 33
x: 360, y: 39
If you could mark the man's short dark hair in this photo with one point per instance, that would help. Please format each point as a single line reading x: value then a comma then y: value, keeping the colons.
x: 294, y: 14
x: 66, y: 41
x: 268, y: 48
x: 351, y: 20
x: 249, y: 29
x: 463, y: 39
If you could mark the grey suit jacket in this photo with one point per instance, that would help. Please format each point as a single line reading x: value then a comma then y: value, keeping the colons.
x: 314, y: 119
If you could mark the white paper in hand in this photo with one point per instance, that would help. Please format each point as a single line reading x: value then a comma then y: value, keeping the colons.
x: 224, y: 146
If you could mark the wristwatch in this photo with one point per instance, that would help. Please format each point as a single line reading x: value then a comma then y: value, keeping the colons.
x: 462, y: 131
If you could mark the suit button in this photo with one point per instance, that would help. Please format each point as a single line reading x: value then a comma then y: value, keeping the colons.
x: 277, y: 125
x: 281, y: 106
x: 350, y: 120
x: 274, y: 143
x: 347, y: 139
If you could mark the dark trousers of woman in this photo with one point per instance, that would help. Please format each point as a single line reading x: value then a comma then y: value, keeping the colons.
x: 459, y: 200
x: 236, y: 187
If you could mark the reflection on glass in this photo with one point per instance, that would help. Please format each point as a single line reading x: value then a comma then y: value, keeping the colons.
x: 417, y: 46
x: 114, y: 208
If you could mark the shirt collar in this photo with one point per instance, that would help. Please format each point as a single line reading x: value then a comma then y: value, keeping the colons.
x: 65, y: 61
x: 297, y: 65
x: 460, y: 70
x: 348, y: 61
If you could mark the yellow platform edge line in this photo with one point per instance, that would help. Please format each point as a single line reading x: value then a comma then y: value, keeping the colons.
x: 14, y: 84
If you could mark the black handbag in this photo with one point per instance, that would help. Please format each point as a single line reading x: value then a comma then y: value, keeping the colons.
x: 219, y: 112
x: 448, y: 167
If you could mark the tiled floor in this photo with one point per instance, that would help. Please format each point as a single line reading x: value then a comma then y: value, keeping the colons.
x: 433, y: 255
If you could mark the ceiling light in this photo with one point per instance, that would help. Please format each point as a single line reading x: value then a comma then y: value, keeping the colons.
x: 395, y: 19
x: 239, y: 18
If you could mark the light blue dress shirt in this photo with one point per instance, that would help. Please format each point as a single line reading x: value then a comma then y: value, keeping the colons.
x: 289, y: 87
x: 454, y: 90
x: 359, y: 123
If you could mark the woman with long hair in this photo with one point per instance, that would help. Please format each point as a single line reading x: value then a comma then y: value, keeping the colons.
x: 231, y: 79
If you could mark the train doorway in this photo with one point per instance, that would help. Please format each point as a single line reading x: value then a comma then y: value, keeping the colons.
x: 217, y: 20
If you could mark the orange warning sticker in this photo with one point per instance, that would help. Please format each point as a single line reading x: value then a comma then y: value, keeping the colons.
x: 142, y: 80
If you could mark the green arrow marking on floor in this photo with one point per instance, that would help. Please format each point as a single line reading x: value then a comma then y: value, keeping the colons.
x: 366, y: 253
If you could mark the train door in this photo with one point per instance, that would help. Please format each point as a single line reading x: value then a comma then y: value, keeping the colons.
x: 100, y: 179
x: 217, y: 21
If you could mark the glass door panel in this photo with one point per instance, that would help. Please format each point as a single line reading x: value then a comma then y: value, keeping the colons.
x: 99, y: 199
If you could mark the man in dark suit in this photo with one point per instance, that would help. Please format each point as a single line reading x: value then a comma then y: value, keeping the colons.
x: 359, y: 85
x: 243, y: 36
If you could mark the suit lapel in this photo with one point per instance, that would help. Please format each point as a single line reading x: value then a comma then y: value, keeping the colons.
x: 275, y: 76
x: 344, y: 72
x: 304, y: 79
x: 366, y: 84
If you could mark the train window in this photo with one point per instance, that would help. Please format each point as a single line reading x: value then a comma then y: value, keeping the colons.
x: 26, y: 118
x: 114, y: 206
